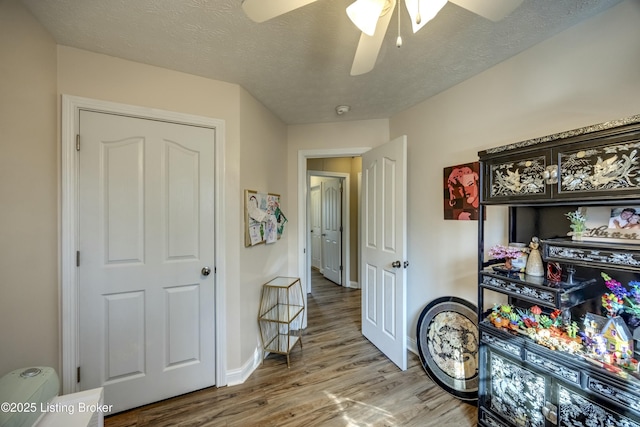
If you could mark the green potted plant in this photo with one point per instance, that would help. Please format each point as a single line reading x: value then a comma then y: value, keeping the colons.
x: 578, y: 221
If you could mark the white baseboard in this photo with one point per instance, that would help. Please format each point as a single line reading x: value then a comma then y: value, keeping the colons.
x: 412, y: 346
x: 239, y: 376
x: 354, y: 285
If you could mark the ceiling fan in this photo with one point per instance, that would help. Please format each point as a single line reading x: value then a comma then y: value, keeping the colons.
x: 372, y: 17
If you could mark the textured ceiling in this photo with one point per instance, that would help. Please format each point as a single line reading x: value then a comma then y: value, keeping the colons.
x: 298, y: 64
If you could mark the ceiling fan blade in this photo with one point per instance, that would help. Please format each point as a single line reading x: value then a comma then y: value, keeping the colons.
x: 369, y: 46
x: 263, y: 10
x: 495, y: 10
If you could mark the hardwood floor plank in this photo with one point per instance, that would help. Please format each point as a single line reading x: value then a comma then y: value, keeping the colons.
x: 338, y: 379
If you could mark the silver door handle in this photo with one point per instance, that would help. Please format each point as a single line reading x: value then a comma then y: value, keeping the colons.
x: 396, y: 264
x: 206, y: 271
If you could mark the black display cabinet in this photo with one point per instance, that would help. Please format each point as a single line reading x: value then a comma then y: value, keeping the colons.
x: 524, y: 383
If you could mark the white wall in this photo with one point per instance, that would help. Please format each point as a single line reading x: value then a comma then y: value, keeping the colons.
x: 586, y: 75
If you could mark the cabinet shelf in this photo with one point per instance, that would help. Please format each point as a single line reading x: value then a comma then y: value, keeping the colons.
x: 593, y: 254
x: 538, y: 290
x: 281, y: 315
x: 282, y: 343
x: 521, y: 347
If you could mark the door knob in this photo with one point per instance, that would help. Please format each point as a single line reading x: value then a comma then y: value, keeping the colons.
x: 396, y: 264
x: 206, y: 271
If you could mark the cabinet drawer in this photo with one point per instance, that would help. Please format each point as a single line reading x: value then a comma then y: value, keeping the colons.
x: 603, y: 168
x: 520, y: 290
x: 517, y: 177
x: 575, y: 409
x: 486, y: 418
x: 514, y: 392
x: 556, y: 369
x: 511, y: 346
x: 614, y: 393
x: 539, y: 291
x: 592, y: 254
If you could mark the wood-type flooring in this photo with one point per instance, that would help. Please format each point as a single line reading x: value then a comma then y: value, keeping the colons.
x: 337, y: 379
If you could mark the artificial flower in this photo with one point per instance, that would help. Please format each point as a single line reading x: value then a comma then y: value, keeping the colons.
x: 621, y: 299
x: 501, y: 252
x: 577, y: 220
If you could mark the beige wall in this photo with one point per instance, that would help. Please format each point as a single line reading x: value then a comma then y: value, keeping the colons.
x: 588, y: 74
x: 262, y: 157
x: 90, y: 75
x: 316, y: 140
x: 34, y: 73
x: 252, y: 155
x: 585, y: 75
x: 29, y: 190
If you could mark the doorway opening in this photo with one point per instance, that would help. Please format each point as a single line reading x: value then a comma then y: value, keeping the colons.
x: 330, y: 221
x: 308, y: 160
x: 383, y: 288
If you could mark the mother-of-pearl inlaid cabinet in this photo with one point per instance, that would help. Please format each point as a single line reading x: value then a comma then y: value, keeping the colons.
x: 523, y: 383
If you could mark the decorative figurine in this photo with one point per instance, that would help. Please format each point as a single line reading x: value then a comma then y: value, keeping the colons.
x: 534, y: 262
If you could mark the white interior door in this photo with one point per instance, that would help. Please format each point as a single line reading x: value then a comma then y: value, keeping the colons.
x: 383, y: 246
x: 316, y: 227
x: 146, y: 231
x: 332, y: 229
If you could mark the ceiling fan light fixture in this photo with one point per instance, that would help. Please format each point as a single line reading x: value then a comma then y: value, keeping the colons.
x: 365, y: 13
x: 423, y: 11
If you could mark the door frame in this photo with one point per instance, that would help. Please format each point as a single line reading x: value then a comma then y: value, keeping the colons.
x: 69, y: 316
x: 304, y: 238
x: 344, y: 219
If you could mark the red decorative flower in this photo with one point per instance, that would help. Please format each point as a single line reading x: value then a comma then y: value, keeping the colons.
x: 536, y: 310
x: 554, y: 315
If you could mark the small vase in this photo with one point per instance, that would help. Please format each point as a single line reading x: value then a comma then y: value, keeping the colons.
x: 520, y: 262
x: 508, y: 263
x: 577, y: 236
